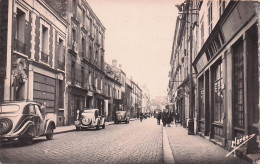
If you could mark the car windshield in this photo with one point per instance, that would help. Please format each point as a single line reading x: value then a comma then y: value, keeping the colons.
x: 120, y: 112
x: 89, y: 114
x: 9, y: 108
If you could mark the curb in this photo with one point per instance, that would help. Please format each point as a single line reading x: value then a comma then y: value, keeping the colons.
x: 167, y: 152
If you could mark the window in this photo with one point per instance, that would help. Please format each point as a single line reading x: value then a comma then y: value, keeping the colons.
x: 201, y: 98
x: 222, y: 6
x: 45, y: 45
x: 61, y: 57
x: 19, y: 44
x: 209, y: 17
x: 83, y: 47
x: 83, y: 18
x: 238, y: 76
x: 73, y: 72
x: 202, y: 32
x: 91, y: 25
x: 89, y: 78
x: 108, y: 90
x: 90, y: 53
x: 73, y: 36
x: 82, y: 77
x: 218, y: 93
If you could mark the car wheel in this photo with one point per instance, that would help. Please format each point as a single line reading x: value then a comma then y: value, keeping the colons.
x: 49, y: 136
x: 98, y: 126
x: 104, y: 126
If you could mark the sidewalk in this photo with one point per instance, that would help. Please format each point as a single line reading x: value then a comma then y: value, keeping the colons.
x: 195, y: 149
x: 64, y: 129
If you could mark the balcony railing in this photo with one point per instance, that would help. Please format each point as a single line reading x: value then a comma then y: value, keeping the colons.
x: 19, y: 46
x: 44, y: 57
x: 61, y: 65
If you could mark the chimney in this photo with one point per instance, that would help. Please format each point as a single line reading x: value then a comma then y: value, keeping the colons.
x: 114, y: 63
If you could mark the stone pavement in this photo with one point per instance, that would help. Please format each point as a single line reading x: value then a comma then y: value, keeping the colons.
x: 195, y: 149
x: 63, y: 129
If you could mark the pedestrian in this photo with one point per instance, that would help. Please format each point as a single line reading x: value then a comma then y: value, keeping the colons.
x: 159, y: 116
x: 169, y: 119
x: 164, y: 118
x: 141, y: 117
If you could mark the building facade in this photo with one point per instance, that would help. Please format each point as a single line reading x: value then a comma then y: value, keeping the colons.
x: 33, y: 54
x: 85, y: 76
x: 225, y: 59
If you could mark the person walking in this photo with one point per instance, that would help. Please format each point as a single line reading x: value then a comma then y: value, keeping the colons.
x: 169, y: 119
x: 164, y: 118
x: 141, y: 117
x: 159, y: 116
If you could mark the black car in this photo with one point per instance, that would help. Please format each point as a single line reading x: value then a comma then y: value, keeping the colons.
x: 121, y: 116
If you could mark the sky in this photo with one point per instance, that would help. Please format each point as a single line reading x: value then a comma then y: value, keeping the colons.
x: 139, y: 35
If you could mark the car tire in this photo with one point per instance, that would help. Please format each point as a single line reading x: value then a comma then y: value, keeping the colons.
x: 78, y: 128
x: 104, y: 126
x: 49, y: 136
x: 98, y: 126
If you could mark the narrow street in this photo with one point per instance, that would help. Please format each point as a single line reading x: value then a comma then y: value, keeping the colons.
x: 119, y: 143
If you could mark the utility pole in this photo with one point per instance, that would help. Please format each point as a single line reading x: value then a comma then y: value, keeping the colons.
x: 191, y: 120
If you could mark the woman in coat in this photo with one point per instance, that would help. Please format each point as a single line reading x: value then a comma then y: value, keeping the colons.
x: 164, y: 118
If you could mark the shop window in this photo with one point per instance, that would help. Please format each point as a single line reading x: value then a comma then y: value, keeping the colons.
x: 238, y: 76
x: 218, y: 93
x: 201, y: 97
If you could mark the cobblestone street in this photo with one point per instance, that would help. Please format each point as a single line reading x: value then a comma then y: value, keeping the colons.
x: 119, y: 143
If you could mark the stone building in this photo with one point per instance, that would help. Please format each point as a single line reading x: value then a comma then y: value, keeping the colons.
x: 33, y: 43
x: 225, y: 58
x: 85, y: 76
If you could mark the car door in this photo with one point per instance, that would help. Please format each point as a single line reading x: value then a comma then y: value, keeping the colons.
x: 39, y: 121
x: 33, y: 117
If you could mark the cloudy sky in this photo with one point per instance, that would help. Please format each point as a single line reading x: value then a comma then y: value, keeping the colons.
x: 139, y: 34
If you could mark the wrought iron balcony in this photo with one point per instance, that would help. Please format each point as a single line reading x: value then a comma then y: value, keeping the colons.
x: 19, y: 46
x: 44, y: 57
x: 61, y: 65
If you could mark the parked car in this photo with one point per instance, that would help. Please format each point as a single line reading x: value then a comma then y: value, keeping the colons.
x: 24, y: 120
x: 90, y: 118
x: 121, y: 116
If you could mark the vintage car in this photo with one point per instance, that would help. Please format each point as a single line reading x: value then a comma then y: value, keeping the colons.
x: 121, y: 116
x: 24, y: 120
x: 89, y: 118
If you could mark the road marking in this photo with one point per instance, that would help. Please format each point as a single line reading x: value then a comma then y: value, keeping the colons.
x: 167, y: 152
